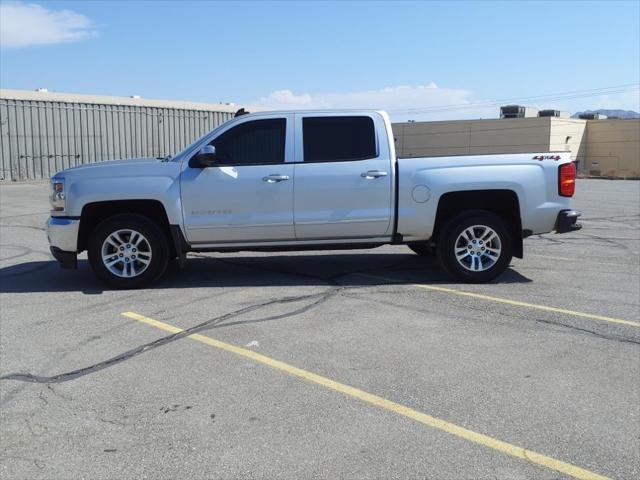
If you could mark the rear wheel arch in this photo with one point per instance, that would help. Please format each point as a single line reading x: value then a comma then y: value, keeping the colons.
x: 502, y: 202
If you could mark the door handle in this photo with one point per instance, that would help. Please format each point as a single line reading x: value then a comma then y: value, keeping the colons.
x: 371, y: 174
x: 274, y: 178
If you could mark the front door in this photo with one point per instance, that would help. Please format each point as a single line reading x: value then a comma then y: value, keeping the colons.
x: 344, y: 179
x: 248, y: 195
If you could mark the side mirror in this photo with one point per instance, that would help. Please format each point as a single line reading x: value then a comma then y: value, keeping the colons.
x: 205, y: 158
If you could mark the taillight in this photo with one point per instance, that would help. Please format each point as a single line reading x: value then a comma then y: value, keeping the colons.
x: 567, y: 179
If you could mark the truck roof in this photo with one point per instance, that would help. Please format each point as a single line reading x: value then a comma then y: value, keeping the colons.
x: 317, y: 110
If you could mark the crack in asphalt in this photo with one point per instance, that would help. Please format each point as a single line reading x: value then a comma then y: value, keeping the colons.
x: 215, y: 322
x: 567, y: 326
x: 33, y: 227
x: 613, y: 241
x: 25, y: 215
x: 72, y: 375
x: 334, y: 289
x: 586, y: 331
x: 585, y: 238
x: 613, y: 219
x: 25, y: 251
x: 36, y: 462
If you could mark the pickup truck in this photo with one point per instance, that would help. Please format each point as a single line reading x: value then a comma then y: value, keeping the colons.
x: 306, y: 180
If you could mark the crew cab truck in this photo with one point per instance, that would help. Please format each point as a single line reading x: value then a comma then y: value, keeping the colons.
x: 306, y: 180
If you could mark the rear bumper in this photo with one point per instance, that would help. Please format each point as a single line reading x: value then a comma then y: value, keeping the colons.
x: 567, y: 221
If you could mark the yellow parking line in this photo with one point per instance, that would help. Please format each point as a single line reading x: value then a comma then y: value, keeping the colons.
x: 443, y: 425
x: 516, y: 303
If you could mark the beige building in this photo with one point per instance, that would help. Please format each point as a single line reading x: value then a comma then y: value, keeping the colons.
x: 612, y: 148
x: 608, y: 148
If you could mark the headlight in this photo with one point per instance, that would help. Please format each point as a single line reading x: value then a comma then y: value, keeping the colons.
x: 57, y: 198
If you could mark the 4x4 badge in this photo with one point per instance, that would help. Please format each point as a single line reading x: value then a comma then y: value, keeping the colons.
x: 547, y: 157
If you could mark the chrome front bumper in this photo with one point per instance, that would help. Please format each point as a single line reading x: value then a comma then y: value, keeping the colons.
x: 62, y: 233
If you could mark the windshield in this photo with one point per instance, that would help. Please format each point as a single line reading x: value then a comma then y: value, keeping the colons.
x: 178, y: 156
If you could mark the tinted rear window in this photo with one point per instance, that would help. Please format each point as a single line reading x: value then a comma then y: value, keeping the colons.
x: 334, y: 139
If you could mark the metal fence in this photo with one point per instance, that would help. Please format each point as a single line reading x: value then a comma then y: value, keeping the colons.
x: 39, y: 138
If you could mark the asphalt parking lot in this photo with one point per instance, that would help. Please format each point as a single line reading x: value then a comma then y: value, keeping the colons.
x: 347, y: 364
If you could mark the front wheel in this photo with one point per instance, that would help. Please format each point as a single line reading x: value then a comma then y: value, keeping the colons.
x: 128, y: 251
x: 475, y: 247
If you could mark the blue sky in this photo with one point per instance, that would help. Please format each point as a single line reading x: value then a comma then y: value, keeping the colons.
x: 394, y: 55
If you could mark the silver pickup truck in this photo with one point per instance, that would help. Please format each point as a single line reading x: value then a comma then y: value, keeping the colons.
x: 306, y: 180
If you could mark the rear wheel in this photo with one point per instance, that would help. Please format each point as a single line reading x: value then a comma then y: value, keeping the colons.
x: 128, y: 251
x: 475, y: 247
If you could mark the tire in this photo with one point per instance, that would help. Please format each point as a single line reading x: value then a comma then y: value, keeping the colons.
x: 135, y: 249
x: 484, y: 238
x: 422, y: 249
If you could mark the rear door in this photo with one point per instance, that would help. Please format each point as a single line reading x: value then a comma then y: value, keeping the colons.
x: 248, y: 195
x: 343, y: 177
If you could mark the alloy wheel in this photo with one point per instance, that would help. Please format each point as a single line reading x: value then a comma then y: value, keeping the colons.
x: 478, y: 248
x: 126, y: 253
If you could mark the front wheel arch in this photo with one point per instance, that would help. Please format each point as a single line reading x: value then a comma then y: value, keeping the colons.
x: 93, y: 214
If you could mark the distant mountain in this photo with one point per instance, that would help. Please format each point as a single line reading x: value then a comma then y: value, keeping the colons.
x: 611, y: 113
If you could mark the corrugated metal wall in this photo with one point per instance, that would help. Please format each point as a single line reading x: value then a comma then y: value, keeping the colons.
x: 39, y: 138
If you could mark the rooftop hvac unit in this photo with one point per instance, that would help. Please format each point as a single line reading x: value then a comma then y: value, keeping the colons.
x: 517, y: 111
x: 592, y: 116
x: 553, y: 113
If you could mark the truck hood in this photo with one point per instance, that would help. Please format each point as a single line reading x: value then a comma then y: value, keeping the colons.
x: 111, y: 164
x: 121, y: 168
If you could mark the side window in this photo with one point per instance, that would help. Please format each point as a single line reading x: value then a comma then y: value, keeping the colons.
x: 335, y: 139
x: 252, y: 143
